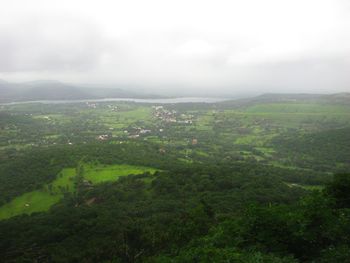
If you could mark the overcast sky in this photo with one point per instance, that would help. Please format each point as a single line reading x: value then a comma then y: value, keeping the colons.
x: 235, y: 45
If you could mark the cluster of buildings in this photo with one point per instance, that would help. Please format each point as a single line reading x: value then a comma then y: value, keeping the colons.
x: 94, y: 105
x: 185, y: 119
x: 163, y: 114
x: 112, y: 107
x: 91, y: 105
x: 137, y: 132
x: 103, y: 137
x: 171, y: 116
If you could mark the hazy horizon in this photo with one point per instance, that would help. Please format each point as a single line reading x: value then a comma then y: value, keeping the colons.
x: 222, y: 47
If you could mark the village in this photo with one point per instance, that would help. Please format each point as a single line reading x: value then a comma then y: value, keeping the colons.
x: 162, y: 119
x: 171, y: 116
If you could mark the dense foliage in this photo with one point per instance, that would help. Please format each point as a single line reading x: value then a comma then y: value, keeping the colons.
x: 195, y: 215
x: 22, y: 171
x: 326, y: 148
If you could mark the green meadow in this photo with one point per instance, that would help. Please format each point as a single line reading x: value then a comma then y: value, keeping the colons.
x: 50, y: 194
x: 104, y: 173
x: 303, y: 108
x: 40, y: 200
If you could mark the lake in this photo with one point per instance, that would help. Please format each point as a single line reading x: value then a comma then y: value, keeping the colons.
x: 154, y: 101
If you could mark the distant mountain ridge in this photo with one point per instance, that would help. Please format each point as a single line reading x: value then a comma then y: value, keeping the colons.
x: 342, y: 97
x: 56, y: 90
x: 336, y: 98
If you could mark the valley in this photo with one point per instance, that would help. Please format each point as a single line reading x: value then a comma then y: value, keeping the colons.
x: 158, y: 172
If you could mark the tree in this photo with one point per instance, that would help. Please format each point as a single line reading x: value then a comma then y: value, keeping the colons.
x: 339, y: 189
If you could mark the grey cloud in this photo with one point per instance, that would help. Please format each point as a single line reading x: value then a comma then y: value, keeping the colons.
x: 50, y: 44
x: 309, y: 74
x: 300, y: 46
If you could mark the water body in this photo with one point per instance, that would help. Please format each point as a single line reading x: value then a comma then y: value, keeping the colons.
x: 153, y: 101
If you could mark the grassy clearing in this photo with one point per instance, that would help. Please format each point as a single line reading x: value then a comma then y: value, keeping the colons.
x: 266, y: 151
x: 302, y: 108
x: 185, y: 160
x: 255, y: 140
x: 204, y: 122
x: 122, y: 119
x: 102, y: 173
x: 50, y: 194
x: 64, y: 181
x: 307, y: 187
x: 40, y: 200
x: 141, y: 113
x: 28, y: 203
x: 292, y: 115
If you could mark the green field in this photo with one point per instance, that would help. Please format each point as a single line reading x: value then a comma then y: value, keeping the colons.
x: 50, y: 194
x: 122, y: 119
x: 304, y: 108
x: 104, y: 173
x: 40, y: 200
x: 307, y: 187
